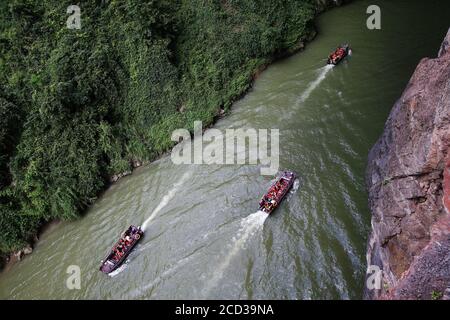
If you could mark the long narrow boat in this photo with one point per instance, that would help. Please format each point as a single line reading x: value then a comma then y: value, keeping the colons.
x: 272, y: 199
x: 339, y: 54
x: 121, y: 249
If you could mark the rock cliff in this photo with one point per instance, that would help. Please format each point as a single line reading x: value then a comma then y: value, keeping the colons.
x: 408, y: 179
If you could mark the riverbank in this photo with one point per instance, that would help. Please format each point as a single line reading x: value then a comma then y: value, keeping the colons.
x: 26, y: 192
x: 408, y: 179
x: 8, y: 261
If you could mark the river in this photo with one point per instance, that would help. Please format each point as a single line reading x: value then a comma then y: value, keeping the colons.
x: 204, y: 238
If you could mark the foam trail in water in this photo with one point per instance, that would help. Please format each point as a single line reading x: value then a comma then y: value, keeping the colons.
x: 165, y: 200
x: 249, y: 226
x: 139, y: 292
x: 118, y: 270
x: 313, y: 85
x: 295, y: 186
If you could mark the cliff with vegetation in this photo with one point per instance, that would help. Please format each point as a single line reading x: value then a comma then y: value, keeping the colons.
x: 408, y: 179
x: 78, y: 107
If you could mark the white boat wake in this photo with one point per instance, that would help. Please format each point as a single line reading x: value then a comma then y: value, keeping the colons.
x: 140, y: 292
x: 295, y: 186
x: 313, y: 85
x: 166, y: 199
x: 249, y: 227
x: 119, y: 269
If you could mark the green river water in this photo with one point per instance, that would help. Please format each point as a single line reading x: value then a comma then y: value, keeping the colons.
x: 204, y: 238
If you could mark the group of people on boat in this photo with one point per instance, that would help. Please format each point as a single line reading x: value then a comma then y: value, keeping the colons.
x: 121, y: 247
x: 269, y: 201
x: 338, y: 54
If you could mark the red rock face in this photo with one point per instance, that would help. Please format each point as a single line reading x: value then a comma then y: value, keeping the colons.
x: 447, y: 184
x: 408, y: 179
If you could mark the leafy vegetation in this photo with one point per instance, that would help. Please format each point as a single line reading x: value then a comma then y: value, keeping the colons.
x: 77, y: 106
x: 436, y: 295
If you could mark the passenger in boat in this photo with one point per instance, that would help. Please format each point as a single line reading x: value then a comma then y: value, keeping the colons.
x: 119, y: 254
x: 116, y: 256
x: 119, y: 251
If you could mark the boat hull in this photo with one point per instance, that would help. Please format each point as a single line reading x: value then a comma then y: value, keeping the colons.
x: 338, y: 58
x: 288, y: 178
x: 111, y: 262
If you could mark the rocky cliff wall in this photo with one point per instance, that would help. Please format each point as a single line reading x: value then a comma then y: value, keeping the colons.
x: 408, y: 179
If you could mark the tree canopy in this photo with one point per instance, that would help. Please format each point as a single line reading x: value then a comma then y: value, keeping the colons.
x: 77, y: 106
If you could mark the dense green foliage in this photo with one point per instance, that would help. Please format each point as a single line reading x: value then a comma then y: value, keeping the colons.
x: 79, y: 105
